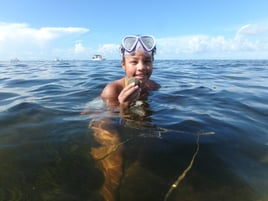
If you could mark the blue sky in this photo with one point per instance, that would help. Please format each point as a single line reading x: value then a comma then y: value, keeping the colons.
x: 44, y: 30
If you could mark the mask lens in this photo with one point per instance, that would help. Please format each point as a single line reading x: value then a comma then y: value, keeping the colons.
x: 129, y: 43
x: 148, y: 42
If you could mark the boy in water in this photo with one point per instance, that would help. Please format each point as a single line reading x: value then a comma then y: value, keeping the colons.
x: 137, y: 61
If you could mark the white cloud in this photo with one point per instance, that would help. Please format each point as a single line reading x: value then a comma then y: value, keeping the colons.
x: 26, y: 42
x: 79, y: 48
x: 249, y: 40
x: 108, y: 51
x: 108, y: 48
x: 251, y: 29
x: 21, y: 31
x: 22, y: 39
x: 50, y: 33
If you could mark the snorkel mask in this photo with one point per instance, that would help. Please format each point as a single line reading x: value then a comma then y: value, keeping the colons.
x: 132, y: 43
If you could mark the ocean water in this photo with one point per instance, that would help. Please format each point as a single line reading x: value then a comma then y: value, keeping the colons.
x: 202, y: 136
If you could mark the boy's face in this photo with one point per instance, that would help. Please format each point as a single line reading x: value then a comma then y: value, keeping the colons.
x: 138, y: 64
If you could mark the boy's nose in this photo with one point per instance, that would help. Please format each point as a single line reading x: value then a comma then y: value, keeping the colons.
x: 141, y: 66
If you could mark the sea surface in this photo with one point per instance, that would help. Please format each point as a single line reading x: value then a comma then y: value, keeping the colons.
x: 203, y: 136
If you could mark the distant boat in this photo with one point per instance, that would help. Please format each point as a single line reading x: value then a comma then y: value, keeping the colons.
x: 16, y: 60
x: 97, y: 57
x: 57, y: 59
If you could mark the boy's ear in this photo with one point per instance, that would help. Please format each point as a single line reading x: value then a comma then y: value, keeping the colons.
x: 123, y: 65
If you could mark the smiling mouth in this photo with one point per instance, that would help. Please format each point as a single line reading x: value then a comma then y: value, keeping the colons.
x: 140, y: 76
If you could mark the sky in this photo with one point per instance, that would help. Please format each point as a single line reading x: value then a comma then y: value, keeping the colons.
x: 184, y: 29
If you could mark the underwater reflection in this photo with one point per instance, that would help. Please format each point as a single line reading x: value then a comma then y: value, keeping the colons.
x: 140, y: 161
x: 108, y: 156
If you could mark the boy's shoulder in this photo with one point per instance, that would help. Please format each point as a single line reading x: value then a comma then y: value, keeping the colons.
x: 113, y: 89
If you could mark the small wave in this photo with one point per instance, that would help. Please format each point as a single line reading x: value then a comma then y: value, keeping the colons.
x: 26, y: 112
x: 7, y: 95
x: 27, y: 108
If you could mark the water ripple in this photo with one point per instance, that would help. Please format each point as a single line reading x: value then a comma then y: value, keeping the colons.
x: 45, y: 142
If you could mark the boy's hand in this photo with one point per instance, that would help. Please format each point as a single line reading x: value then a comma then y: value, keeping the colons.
x: 131, y: 92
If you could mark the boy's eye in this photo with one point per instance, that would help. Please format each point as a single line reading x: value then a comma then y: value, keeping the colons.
x: 148, y: 61
x: 133, y: 62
